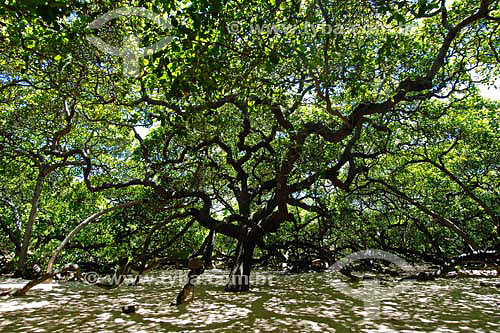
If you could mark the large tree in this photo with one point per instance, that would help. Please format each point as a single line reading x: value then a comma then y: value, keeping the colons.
x: 252, y: 119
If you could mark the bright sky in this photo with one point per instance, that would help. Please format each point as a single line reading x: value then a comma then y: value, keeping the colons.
x: 491, y: 92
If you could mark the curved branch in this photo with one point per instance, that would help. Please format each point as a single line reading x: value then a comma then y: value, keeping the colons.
x: 79, y: 227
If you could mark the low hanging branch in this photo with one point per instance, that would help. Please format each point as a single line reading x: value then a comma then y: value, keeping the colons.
x: 437, y: 217
x: 79, y: 227
x: 50, y: 272
x: 490, y: 257
x: 145, y: 256
x: 175, y: 238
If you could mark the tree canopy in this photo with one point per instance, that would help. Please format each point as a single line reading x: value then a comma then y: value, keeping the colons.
x: 295, y: 130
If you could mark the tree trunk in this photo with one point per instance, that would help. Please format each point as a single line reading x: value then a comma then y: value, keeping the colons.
x: 207, y: 256
x: 29, y: 226
x: 239, y: 277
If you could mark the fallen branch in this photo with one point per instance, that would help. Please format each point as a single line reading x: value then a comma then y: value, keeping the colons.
x: 46, y: 276
x: 485, y: 257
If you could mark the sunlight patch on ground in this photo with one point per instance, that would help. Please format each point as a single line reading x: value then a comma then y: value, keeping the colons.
x: 300, y: 303
x: 15, y: 305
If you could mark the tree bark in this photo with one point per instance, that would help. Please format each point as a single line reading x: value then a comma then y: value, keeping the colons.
x: 437, y: 217
x: 239, y: 277
x: 83, y: 224
x: 489, y: 257
x: 29, y: 226
x: 207, y: 256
